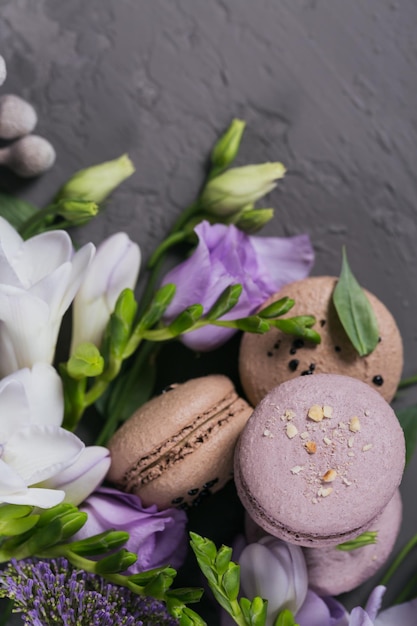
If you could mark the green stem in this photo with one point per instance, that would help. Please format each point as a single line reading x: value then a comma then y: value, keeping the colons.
x: 168, y: 243
x: 398, y: 560
x: 131, y: 377
x: 407, y: 382
x: 30, y: 227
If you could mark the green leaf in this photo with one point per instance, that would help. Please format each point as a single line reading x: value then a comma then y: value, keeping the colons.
x: 258, y: 610
x: 355, y: 311
x: 14, y: 511
x: 115, y: 563
x: 188, y: 595
x: 191, y: 618
x: 99, y: 544
x: 15, y: 210
x: 408, y: 420
x: 285, y: 618
x: 225, y: 302
x: 159, y: 304
x: 365, y: 539
x: 231, y: 581
x: 143, y: 578
x: 299, y: 327
x: 85, y: 362
x: 186, y: 319
x: 13, y: 527
x: 222, y: 559
x: 221, y: 598
x: 278, y: 308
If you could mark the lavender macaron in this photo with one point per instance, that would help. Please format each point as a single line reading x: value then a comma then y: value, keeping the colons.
x: 319, y: 459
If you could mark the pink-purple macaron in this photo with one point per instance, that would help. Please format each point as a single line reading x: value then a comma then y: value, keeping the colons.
x: 319, y: 459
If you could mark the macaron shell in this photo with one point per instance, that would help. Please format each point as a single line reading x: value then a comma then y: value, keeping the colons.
x: 332, y: 571
x: 289, y: 502
x: 179, y: 441
x: 267, y: 360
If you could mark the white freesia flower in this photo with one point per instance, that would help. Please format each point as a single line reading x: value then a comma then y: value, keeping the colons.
x: 34, y: 449
x: 38, y: 281
x: 277, y: 572
x: 115, y: 267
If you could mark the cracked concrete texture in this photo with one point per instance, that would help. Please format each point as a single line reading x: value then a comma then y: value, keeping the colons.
x: 329, y: 88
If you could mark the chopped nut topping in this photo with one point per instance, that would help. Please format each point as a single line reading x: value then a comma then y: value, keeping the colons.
x: 291, y: 431
x: 289, y: 414
x: 367, y: 447
x: 327, y: 411
x: 311, y: 447
x: 346, y: 481
x: 266, y: 433
x: 351, y: 453
x: 327, y: 441
x: 324, y: 491
x: 304, y: 435
x: 314, y: 500
x: 342, y: 425
x: 354, y: 424
x: 367, y: 412
x: 297, y: 469
x: 329, y: 476
x: 351, y: 441
x: 315, y: 413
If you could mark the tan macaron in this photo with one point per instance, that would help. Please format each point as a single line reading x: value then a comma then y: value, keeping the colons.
x: 266, y: 361
x: 178, y: 447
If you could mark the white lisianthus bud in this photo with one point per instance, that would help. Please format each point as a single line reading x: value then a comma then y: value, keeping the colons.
x: 97, y: 182
x: 115, y: 267
x: 229, y: 192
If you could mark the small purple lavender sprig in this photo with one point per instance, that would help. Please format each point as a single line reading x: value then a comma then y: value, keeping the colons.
x: 53, y: 592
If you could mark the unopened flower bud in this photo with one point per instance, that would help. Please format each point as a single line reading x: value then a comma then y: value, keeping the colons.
x: 255, y: 219
x: 226, y: 148
x: 229, y: 192
x: 3, y: 71
x: 97, y: 182
x: 77, y: 211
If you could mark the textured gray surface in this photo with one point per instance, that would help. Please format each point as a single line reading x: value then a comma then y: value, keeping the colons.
x: 328, y: 87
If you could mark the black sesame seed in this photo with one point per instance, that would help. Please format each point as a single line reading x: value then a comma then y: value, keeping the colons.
x: 270, y: 353
x: 177, y: 500
x: 379, y: 339
x: 193, y: 492
x: 183, y: 506
x: 293, y: 364
x: 312, y: 367
x: 306, y: 373
x: 210, y: 483
x: 293, y: 351
x: 169, y: 388
x: 378, y: 380
x: 322, y: 323
x: 298, y: 343
x: 338, y: 348
x: 277, y: 345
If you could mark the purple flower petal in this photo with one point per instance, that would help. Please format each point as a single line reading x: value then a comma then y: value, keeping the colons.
x: 318, y: 611
x: 226, y: 256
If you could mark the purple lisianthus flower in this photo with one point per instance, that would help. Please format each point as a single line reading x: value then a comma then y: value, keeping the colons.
x: 317, y: 611
x: 226, y: 256
x: 53, y: 592
x: 157, y: 537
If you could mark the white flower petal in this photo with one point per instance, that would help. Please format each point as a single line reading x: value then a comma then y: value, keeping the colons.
x: 10, y: 481
x: 43, y: 498
x: 40, y: 452
x: 44, y: 393
x: 83, y: 476
x: 10, y: 246
x: 80, y: 262
x: 44, y: 253
x: 14, y: 408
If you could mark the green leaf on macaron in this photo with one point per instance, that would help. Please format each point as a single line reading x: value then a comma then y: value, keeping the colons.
x: 355, y: 311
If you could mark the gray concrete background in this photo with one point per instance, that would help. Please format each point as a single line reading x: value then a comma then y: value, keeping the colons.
x: 326, y: 86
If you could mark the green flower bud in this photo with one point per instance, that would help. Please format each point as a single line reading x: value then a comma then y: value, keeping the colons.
x: 85, y: 361
x: 226, y: 148
x: 76, y: 211
x: 97, y: 182
x: 252, y: 221
x: 229, y: 192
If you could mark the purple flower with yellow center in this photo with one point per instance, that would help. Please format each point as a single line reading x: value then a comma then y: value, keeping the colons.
x: 52, y: 592
x: 227, y: 256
